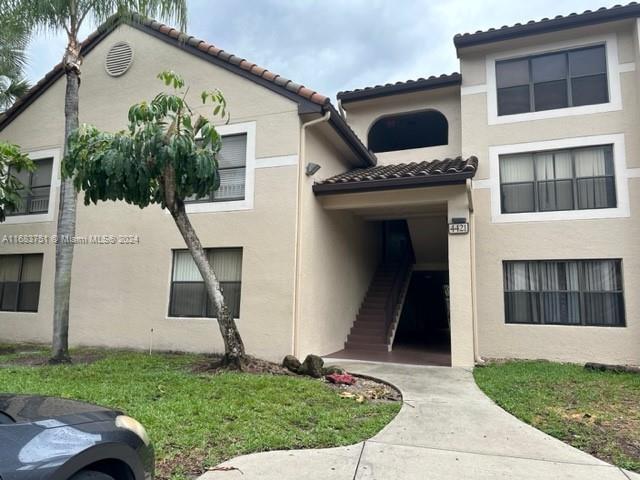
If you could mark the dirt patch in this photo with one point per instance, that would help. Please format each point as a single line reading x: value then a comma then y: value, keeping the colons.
x: 186, y: 463
x: 7, y: 349
x: 41, y: 359
x: 213, y: 364
x: 367, y: 389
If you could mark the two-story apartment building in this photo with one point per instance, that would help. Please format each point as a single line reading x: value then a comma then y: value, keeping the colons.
x: 490, y: 213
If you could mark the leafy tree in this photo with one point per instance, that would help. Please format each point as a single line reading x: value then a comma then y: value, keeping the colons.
x: 13, y: 41
x: 11, y: 162
x: 69, y: 16
x: 166, y: 155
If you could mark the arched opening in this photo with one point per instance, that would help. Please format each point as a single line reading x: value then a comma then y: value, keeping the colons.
x: 409, y: 130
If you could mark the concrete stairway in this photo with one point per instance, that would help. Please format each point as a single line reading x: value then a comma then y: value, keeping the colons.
x: 370, y: 331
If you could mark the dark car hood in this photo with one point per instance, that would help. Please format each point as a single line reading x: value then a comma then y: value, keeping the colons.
x: 34, y: 408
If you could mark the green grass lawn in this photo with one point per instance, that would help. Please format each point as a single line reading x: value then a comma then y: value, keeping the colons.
x: 598, y: 412
x: 197, y: 420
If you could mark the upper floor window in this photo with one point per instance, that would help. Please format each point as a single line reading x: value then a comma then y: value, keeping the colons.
x: 554, y: 80
x: 571, y: 179
x: 188, y: 292
x: 20, y: 282
x: 232, y: 167
x: 37, y: 187
x: 409, y: 130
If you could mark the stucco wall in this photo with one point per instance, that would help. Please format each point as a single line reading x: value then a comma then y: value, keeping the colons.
x: 558, y: 239
x: 362, y: 115
x: 120, y: 293
x: 339, y: 254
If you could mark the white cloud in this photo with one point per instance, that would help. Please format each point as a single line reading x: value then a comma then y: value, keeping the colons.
x: 332, y: 45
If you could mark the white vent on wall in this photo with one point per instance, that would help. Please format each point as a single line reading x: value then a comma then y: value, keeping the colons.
x: 119, y: 59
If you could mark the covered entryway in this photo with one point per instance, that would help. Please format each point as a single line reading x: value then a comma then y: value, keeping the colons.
x: 418, y: 307
x: 423, y: 327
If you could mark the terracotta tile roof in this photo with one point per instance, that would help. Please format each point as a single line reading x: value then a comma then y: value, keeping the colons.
x: 240, y: 62
x: 277, y: 81
x: 560, y: 22
x: 449, y: 170
x: 432, y: 82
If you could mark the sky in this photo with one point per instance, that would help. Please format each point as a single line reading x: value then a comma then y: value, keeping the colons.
x: 333, y: 45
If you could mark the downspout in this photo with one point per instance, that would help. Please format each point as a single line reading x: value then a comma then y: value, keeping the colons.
x: 474, y: 308
x: 298, y: 246
x: 342, y: 111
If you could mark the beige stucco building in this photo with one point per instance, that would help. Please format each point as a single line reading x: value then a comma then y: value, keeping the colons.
x: 487, y: 214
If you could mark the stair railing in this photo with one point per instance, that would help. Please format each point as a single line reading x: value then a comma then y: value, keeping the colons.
x: 397, y: 283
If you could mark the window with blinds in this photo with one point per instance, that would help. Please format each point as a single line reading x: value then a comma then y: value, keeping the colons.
x: 573, y: 179
x: 36, y: 188
x: 188, y: 293
x: 572, y: 292
x: 20, y: 282
x: 232, y: 159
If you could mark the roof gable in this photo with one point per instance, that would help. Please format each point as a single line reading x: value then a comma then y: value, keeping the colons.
x: 309, y: 101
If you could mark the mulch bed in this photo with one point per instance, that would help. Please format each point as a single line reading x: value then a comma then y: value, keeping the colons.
x: 364, y: 389
x: 368, y: 389
x: 213, y: 364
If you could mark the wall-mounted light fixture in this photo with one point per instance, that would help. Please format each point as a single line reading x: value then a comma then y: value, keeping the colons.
x: 311, y: 168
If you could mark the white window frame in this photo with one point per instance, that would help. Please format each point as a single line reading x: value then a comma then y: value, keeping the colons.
x: 53, y: 193
x: 614, y: 69
x: 621, y: 179
x: 249, y: 129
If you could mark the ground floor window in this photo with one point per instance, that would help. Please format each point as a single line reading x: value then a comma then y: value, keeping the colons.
x: 571, y: 292
x: 188, y: 293
x: 20, y: 282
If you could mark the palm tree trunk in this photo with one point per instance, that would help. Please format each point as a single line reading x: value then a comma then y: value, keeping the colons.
x: 66, y: 230
x: 233, y: 345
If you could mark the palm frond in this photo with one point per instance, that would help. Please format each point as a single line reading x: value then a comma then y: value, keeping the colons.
x: 14, y: 39
x: 11, y: 89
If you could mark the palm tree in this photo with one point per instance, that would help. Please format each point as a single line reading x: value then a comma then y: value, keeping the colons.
x: 14, y: 38
x: 12, y: 87
x: 69, y: 16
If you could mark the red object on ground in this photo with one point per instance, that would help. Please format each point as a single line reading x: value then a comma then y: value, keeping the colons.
x: 344, y: 379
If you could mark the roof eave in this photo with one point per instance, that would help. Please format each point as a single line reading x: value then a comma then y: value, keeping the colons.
x: 392, y: 184
x: 454, y: 79
x: 546, y: 26
x: 305, y: 106
x: 350, y: 138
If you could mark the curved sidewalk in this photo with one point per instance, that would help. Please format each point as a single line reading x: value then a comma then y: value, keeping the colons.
x: 447, y: 429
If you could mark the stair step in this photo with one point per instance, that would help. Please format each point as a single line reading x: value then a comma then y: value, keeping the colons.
x: 374, y: 304
x: 375, y: 330
x: 365, y: 339
x: 370, y: 317
x: 372, y: 309
x: 369, y: 347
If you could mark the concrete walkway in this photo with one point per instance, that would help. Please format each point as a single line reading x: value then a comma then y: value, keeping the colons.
x: 447, y: 429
